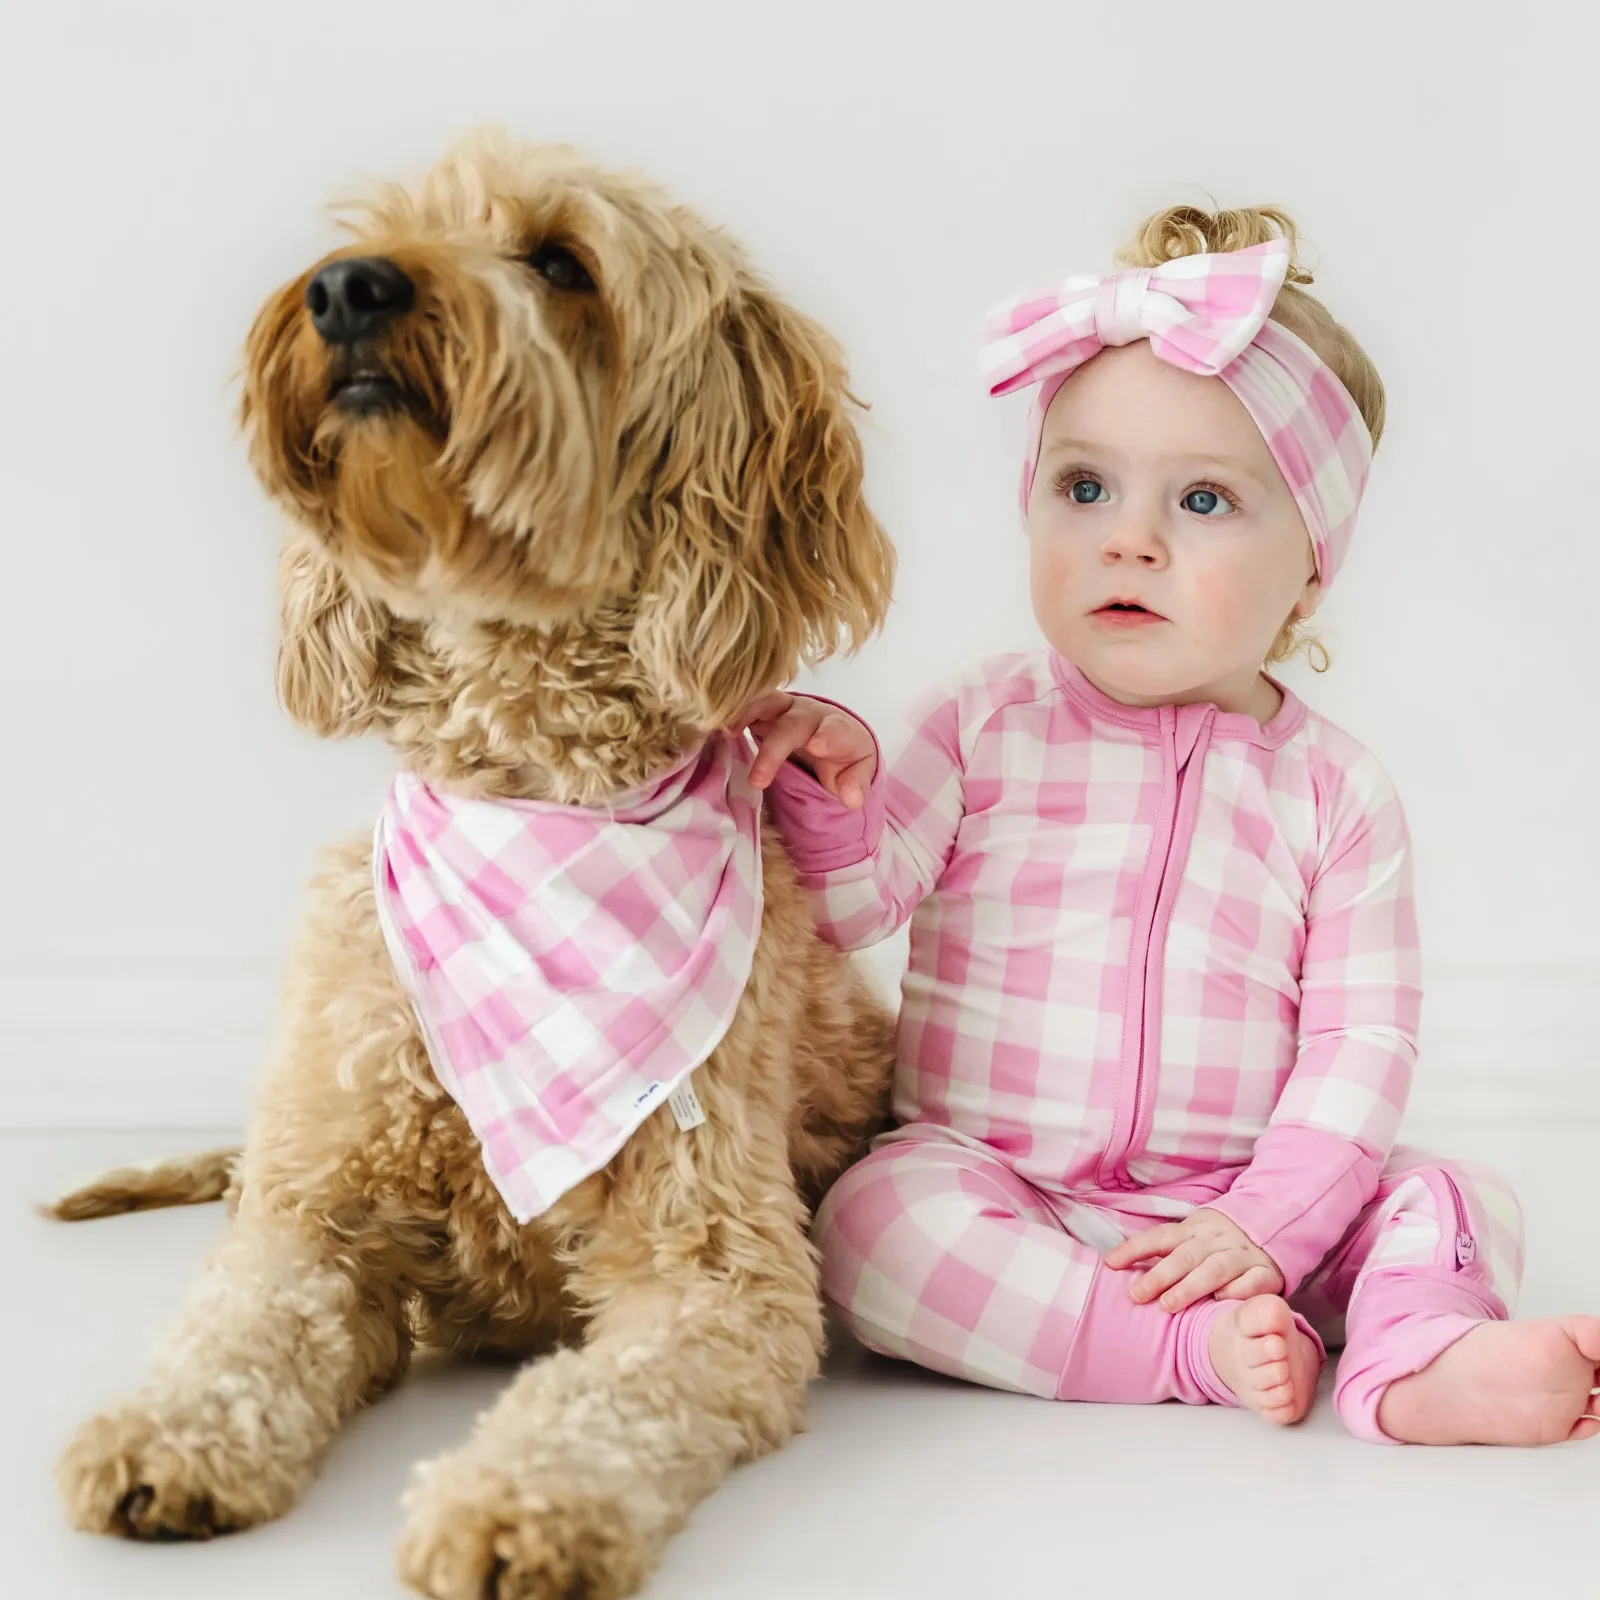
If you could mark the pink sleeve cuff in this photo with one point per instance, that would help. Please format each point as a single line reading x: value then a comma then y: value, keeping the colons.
x: 1299, y: 1197
x: 821, y: 833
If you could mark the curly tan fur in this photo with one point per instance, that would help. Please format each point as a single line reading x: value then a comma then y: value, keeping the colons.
x: 180, y: 1181
x: 600, y: 521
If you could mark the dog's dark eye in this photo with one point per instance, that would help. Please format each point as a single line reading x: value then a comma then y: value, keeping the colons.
x: 560, y: 268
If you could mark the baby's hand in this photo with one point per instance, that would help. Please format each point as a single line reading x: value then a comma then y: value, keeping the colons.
x: 1204, y: 1254
x: 829, y: 743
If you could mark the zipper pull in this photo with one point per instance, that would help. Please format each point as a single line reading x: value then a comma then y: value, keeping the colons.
x: 1466, y: 1249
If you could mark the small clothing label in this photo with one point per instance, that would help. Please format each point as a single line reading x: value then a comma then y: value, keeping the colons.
x: 686, y: 1107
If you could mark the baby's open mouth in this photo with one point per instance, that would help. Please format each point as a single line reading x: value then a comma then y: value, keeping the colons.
x: 1127, y: 611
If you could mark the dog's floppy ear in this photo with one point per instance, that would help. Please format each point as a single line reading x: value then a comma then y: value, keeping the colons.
x: 332, y: 644
x: 762, y: 551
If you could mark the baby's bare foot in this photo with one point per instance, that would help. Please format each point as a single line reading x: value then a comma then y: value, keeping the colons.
x: 1266, y: 1360
x: 1503, y: 1383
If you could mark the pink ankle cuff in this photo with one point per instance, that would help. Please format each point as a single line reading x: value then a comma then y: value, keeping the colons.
x: 1399, y: 1322
x: 1196, y: 1335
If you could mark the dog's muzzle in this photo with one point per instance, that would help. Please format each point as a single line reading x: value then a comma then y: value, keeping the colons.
x: 352, y: 301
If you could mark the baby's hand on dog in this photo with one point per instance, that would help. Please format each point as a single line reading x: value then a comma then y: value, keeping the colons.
x: 1205, y: 1254
x: 830, y: 744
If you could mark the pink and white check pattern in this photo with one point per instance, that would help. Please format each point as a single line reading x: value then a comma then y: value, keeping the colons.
x: 570, y: 967
x: 1167, y: 950
x: 937, y: 1252
x: 1208, y: 314
x: 1160, y: 959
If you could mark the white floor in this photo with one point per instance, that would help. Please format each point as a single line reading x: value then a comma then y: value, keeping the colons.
x: 905, y: 1486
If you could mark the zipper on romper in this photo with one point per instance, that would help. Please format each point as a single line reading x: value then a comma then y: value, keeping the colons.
x: 1113, y: 1167
x: 1466, y: 1245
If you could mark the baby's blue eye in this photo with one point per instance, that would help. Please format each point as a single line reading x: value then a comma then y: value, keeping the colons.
x: 1205, y: 502
x: 1085, y: 491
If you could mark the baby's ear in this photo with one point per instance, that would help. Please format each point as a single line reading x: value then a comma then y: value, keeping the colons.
x: 333, y: 644
x: 1310, y: 599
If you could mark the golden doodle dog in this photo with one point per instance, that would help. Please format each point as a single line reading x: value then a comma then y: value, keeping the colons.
x: 568, y: 485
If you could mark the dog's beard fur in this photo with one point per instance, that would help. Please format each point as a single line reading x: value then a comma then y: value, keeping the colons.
x: 596, y: 523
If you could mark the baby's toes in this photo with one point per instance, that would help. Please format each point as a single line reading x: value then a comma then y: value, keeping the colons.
x: 1272, y: 1375
x: 1271, y: 1349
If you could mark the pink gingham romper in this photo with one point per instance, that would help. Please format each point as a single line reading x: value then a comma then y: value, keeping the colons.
x: 1160, y: 958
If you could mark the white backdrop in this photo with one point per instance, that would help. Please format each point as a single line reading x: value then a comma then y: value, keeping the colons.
x: 895, y: 168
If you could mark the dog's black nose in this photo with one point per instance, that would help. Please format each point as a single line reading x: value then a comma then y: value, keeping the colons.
x: 353, y: 298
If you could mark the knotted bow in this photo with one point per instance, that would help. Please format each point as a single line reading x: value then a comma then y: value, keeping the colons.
x: 1198, y: 312
x: 1208, y: 314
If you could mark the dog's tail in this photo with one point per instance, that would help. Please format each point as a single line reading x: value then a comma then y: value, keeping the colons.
x: 180, y: 1181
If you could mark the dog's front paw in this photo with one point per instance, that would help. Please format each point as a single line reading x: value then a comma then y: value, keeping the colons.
x: 472, y: 1533
x: 139, y: 1475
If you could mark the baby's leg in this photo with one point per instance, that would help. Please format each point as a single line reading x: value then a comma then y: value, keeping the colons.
x: 1431, y: 1358
x: 939, y: 1254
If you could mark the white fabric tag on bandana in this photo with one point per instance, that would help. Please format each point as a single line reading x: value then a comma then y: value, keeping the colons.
x: 687, y: 1111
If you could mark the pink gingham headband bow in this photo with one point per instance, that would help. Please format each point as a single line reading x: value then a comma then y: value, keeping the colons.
x: 1208, y: 314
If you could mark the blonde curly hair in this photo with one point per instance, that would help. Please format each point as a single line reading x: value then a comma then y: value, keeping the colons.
x: 1189, y: 230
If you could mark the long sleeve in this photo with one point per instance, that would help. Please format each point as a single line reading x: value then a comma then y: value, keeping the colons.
x: 1320, y: 1158
x: 865, y: 871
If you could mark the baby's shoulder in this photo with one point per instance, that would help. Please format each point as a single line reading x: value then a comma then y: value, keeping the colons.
x: 994, y: 685
x: 1346, y: 776
x: 988, y: 712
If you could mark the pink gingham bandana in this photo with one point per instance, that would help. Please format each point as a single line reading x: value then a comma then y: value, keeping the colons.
x: 1208, y: 314
x: 570, y: 967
